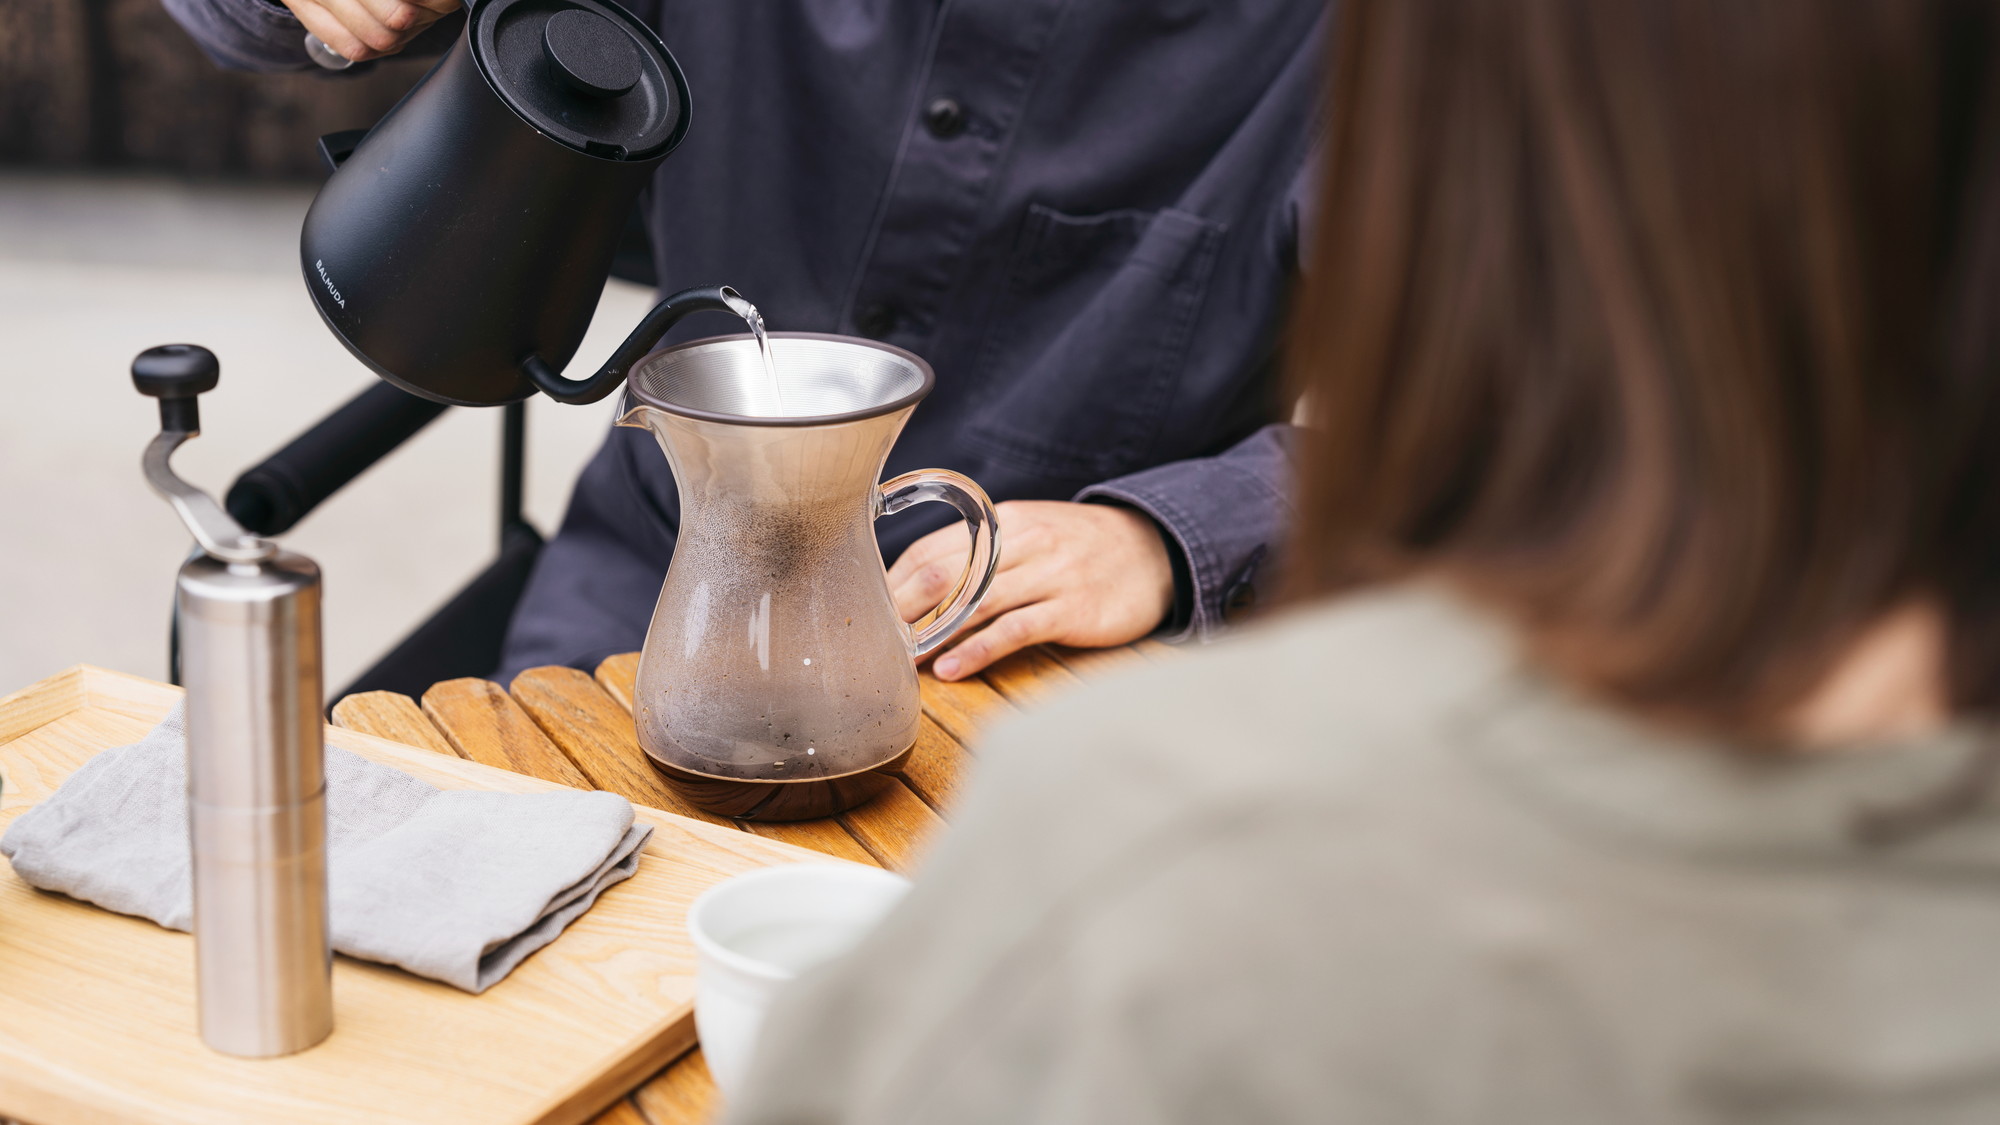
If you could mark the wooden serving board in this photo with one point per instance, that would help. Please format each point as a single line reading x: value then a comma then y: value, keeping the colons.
x: 97, y: 1017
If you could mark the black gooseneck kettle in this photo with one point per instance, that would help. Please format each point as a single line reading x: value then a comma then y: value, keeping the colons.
x: 460, y: 249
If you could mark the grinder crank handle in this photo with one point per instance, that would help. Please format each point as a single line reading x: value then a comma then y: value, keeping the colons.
x: 177, y: 374
x: 936, y: 627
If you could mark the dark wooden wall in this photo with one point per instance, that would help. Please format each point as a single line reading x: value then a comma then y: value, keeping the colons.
x: 118, y: 84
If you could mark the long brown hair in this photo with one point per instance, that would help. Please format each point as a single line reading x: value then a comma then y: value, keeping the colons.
x: 1667, y: 327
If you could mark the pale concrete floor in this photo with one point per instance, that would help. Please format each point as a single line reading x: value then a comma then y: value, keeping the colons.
x: 94, y: 270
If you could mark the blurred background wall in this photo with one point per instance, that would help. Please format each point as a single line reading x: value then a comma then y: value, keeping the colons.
x: 116, y: 84
x: 147, y: 197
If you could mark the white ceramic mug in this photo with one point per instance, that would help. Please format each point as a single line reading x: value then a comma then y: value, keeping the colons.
x: 754, y: 933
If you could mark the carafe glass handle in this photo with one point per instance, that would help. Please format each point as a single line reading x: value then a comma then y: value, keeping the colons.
x: 937, y: 626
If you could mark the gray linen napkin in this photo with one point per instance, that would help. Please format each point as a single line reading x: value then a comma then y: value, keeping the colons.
x: 456, y: 885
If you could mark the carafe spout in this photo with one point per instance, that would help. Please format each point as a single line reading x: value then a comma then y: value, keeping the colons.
x: 639, y: 416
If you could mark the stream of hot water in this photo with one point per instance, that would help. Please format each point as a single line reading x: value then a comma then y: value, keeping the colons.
x: 755, y: 320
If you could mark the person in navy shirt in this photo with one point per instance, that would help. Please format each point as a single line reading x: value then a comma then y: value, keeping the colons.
x: 1085, y: 215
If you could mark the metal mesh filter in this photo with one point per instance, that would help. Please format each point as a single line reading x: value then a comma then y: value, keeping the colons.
x: 819, y: 377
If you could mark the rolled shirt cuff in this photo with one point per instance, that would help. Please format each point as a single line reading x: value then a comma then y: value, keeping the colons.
x: 1225, y: 523
x: 258, y: 35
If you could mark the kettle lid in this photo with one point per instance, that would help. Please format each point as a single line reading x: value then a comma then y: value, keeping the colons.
x: 584, y: 72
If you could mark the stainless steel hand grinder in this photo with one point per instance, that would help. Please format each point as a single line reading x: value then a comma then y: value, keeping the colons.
x: 250, y: 659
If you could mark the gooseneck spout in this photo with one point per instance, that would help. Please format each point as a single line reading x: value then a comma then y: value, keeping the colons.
x: 666, y: 314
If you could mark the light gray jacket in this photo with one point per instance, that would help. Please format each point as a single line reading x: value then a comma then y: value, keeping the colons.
x: 1362, y: 866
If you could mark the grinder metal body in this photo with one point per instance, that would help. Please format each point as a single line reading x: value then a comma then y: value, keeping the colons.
x: 249, y: 656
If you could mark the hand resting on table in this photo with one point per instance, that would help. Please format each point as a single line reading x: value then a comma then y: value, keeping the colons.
x: 1090, y: 575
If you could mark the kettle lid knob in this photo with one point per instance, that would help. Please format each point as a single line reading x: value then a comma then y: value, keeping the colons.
x: 592, y: 54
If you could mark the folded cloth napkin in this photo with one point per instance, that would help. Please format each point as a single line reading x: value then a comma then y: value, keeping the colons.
x: 456, y: 885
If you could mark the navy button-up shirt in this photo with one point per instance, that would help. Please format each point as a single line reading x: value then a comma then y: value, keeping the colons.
x: 1084, y: 213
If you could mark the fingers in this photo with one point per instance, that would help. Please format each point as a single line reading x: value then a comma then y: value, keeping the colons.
x: 930, y: 548
x: 1020, y: 579
x: 931, y: 569
x: 330, y: 31
x: 1074, y: 574
x: 927, y: 571
x: 400, y: 18
x: 1014, y: 588
x: 923, y: 590
x: 953, y: 541
x: 1031, y: 591
x: 1030, y: 625
x: 364, y: 29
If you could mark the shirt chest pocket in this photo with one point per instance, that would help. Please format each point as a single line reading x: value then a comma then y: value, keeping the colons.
x: 1085, y: 344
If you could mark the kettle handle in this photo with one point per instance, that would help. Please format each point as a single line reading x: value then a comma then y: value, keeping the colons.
x: 704, y: 298
x: 335, y: 148
x: 937, y: 626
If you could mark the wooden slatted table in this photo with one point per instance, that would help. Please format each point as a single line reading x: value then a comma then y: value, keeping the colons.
x: 563, y: 725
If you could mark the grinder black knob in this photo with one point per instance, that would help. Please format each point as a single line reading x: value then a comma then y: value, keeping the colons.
x: 176, y: 374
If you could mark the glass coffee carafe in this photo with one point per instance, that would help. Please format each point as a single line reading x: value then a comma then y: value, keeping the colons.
x: 778, y: 682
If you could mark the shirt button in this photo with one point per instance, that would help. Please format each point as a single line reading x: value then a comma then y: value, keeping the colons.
x: 1239, y: 595
x: 945, y: 118
x: 876, y: 320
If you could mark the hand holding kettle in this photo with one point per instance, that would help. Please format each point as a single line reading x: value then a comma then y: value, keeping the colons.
x: 344, y: 32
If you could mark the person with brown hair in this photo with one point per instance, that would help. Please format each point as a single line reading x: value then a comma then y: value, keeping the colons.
x: 1627, y: 755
